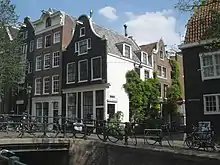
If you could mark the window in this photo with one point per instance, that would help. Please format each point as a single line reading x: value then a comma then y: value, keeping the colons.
x: 89, y: 43
x: 161, y: 54
x: 82, y: 32
x: 39, y: 113
x: 56, y: 37
x: 82, y: 46
x: 55, y: 84
x: 88, y: 105
x: 39, y: 42
x: 99, y: 98
x: 31, y: 46
x: 46, y: 61
x: 159, y: 70
x: 127, y: 50
x: 25, y: 35
x: 211, y: 104
x: 165, y: 87
x: 83, y: 70
x: 46, y: 85
x: 48, y: 41
x: 162, y: 71
x: 210, y: 65
x: 145, y: 59
x: 24, y: 49
x: 48, y: 22
x: 71, y: 72
x: 38, y: 63
x: 30, y: 67
x: 71, y: 105
x: 55, y: 112
x: 149, y: 60
x: 37, y: 86
x: 146, y: 74
x: 56, y: 59
x: 96, y: 69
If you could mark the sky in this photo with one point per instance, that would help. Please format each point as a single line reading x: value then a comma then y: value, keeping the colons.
x: 147, y: 20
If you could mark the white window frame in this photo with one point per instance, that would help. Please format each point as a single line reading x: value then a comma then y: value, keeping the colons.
x: 31, y: 48
x: 25, y: 35
x: 45, y: 41
x: 130, y: 52
x: 146, y: 70
x: 29, y: 67
x: 162, y: 67
x: 82, y: 35
x: 46, y: 55
x: 67, y: 70
x: 53, y: 84
x: 68, y: 103
x: 54, y: 37
x: 35, y: 86
x: 41, y: 45
x: 24, y: 49
x: 44, y: 85
x: 162, y: 52
x: 36, y: 69
x: 79, y: 70
x: 143, y: 54
x: 55, y: 53
x: 214, y: 65
x: 94, y: 79
x: 217, y: 104
x: 88, y: 46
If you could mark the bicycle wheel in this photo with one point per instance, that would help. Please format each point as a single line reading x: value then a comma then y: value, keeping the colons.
x: 79, y: 130
x: 52, y: 130
x: 170, y: 140
x: 189, y: 142
x: 151, y: 140
x: 133, y: 139
x: 114, y: 135
x: 100, y: 133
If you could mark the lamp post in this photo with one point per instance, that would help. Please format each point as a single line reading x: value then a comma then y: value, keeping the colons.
x: 29, y: 88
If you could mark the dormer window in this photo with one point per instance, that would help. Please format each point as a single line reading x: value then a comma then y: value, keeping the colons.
x: 161, y: 54
x: 82, y: 32
x: 48, y: 22
x: 145, y: 58
x: 127, y: 50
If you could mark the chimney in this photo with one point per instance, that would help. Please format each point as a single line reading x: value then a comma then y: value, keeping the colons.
x: 125, y: 28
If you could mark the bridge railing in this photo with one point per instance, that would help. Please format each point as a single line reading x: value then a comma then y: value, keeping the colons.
x: 13, y: 160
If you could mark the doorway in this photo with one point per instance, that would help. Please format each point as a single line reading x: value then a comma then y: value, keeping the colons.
x: 111, y: 110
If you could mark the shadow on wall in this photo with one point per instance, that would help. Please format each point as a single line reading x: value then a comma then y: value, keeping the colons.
x: 95, y: 153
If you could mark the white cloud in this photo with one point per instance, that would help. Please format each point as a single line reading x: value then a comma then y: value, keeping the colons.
x: 151, y: 26
x: 109, y: 12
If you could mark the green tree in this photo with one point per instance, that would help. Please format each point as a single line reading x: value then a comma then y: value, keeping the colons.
x: 174, y: 92
x: 143, y: 96
x: 11, y: 63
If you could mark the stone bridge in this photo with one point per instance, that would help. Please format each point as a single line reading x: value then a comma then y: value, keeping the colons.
x: 64, y: 151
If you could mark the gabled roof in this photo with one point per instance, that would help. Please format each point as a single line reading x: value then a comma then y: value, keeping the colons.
x: 200, y: 22
x: 149, y: 47
x: 12, y: 32
x: 113, y: 38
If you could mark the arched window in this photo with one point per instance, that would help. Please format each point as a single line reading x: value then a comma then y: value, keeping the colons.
x: 48, y: 22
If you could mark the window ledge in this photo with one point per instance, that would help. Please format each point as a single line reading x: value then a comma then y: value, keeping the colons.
x: 56, y: 42
x: 45, y: 93
x: 38, y: 70
x: 46, y: 68
x: 70, y: 82
x: 55, y: 66
x: 81, y: 81
x: 211, y: 78
x: 212, y: 113
x: 55, y: 93
x: 165, y: 78
x: 82, y: 54
x: 96, y: 79
x: 37, y: 94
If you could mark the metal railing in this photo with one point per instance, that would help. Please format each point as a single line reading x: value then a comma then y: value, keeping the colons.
x: 11, y: 160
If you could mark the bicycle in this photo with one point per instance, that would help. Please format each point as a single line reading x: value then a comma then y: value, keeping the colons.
x: 107, y: 131
x: 200, y: 139
x: 153, y: 136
